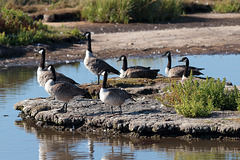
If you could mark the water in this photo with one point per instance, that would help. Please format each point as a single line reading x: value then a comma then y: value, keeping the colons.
x: 21, y: 140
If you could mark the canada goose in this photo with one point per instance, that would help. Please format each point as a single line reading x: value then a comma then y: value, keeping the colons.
x: 136, y: 71
x: 43, y: 74
x: 113, y: 96
x: 63, y: 91
x: 186, y: 69
x: 96, y: 65
x: 177, y: 71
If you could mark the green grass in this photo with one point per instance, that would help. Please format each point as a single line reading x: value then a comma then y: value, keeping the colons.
x: 199, y: 99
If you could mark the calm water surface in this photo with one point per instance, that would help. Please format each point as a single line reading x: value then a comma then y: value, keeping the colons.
x: 21, y: 140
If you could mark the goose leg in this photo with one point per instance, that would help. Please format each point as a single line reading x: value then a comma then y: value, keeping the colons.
x: 112, y: 109
x: 120, y: 107
x: 98, y: 78
x: 64, y: 108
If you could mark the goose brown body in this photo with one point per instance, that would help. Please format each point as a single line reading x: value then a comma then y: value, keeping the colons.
x: 113, y: 96
x: 63, y: 91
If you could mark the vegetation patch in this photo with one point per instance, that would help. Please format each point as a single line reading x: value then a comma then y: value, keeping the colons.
x: 227, y: 6
x: 17, y: 28
x: 123, y: 11
x: 199, y: 99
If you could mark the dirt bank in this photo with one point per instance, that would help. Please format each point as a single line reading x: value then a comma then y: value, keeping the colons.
x: 191, y: 34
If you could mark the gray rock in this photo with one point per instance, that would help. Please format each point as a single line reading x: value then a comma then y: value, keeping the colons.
x: 138, y: 117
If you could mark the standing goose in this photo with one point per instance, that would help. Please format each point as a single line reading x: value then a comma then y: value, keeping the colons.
x: 113, y: 96
x: 136, y: 71
x: 96, y: 65
x: 43, y: 75
x: 177, y: 71
x: 63, y: 91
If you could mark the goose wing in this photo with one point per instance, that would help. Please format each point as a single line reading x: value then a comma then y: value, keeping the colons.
x: 119, y: 93
x: 61, y: 77
x: 97, y: 66
x: 140, y: 67
x: 68, y: 91
x: 190, y: 67
x: 140, y: 73
x: 46, y: 75
x: 177, y: 71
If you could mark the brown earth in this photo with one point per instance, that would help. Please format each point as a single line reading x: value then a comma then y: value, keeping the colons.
x: 190, y: 34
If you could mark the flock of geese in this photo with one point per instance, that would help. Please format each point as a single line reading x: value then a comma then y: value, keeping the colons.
x: 64, y: 88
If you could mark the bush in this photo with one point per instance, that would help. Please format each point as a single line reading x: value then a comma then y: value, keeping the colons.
x: 227, y: 6
x: 17, y: 28
x: 122, y: 11
x: 199, y: 99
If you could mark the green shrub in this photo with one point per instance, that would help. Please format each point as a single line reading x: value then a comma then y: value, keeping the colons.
x: 17, y: 28
x: 227, y: 6
x: 199, y: 99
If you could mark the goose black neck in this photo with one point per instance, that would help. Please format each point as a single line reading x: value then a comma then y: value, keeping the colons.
x: 89, y: 42
x: 42, y: 63
x: 186, y: 68
x: 104, y: 84
x: 169, y: 65
x: 125, y: 66
x: 53, y: 74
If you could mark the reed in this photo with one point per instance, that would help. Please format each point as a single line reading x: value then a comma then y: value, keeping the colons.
x: 227, y: 6
x: 123, y: 11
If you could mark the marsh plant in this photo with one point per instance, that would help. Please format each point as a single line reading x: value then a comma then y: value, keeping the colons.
x: 200, y: 98
x: 123, y: 11
x: 227, y: 6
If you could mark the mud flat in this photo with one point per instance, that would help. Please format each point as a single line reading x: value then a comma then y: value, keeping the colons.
x: 145, y: 117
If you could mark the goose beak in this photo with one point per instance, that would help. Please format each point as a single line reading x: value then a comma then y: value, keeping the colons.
x: 118, y: 60
x: 181, y: 60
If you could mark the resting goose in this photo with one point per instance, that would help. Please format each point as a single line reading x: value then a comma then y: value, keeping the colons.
x: 96, y: 65
x: 177, y: 71
x: 186, y: 68
x: 43, y: 75
x: 113, y: 96
x: 136, y: 71
x: 63, y: 91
